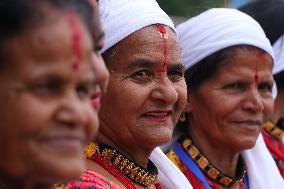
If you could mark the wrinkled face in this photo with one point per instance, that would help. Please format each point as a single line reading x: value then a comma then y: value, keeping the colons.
x: 46, y: 111
x: 147, y: 90
x: 229, y: 108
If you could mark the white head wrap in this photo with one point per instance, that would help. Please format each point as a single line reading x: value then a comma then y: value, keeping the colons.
x: 278, y: 49
x: 217, y: 29
x: 261, y: 168
x: 120, y: 18
x: 210, y: 32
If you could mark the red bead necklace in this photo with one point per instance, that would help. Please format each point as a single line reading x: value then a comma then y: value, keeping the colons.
x: 112, y: 169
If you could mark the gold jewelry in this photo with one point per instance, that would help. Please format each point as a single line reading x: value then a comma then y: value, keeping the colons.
x: 134, y: 172
x: 207, y: 168
x: 182, y: 117
x: 270, y: 128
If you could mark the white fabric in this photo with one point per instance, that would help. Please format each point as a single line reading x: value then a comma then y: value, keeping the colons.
x: 262, y: 170
x: 278, y: 49
x: 217, y: 29
x: 170, y: 177
x: 121, y: 18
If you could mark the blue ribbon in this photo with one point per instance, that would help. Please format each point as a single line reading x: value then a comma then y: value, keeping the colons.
x: 191, y: 165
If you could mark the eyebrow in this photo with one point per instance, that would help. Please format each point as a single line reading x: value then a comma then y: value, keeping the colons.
x: 141, y: 63
x: 174, y: 67
x: 145, y: 63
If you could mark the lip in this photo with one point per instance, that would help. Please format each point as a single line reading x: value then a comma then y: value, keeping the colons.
x: 249, y: 123
x: 96, y: 100
x: 157, y: 115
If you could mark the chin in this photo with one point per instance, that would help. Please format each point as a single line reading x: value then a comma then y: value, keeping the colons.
x: 59, y: 168
x: 159, y: 140
x: 248, y: 143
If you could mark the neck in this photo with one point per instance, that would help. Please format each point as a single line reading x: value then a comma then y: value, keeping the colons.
x: 134, y: 153
x: 221, y: 157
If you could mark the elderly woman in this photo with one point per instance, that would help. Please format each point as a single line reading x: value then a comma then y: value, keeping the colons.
x: 46, y: 81
x: 145, y: 96
x: 270, y: 16
x: 228, y: 64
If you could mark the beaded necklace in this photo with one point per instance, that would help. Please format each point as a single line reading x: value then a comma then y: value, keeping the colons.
x: 122, y: 168
x: 207, y: 168
x: 272, y: 129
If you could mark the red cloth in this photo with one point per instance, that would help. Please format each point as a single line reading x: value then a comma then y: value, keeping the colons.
x: 276, y: 148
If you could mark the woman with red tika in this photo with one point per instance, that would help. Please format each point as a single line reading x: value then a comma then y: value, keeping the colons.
x: 145, y: 97
x: 228, y: 63
x: 270, y: 16
x: 48, y: 73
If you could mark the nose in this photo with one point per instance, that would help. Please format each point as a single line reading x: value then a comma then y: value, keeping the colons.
x: 165, y: 91
x: 254, y: 101
x: 100, y: 71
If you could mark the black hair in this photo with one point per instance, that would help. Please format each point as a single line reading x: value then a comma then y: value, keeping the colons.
x: 18, y: 16
x: 270, y: 15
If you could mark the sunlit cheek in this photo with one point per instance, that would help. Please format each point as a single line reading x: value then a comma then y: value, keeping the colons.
x: 268, y: 107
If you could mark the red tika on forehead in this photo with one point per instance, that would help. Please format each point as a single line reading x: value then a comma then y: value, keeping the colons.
x: 76, y: 38
x: 163, y: 33
x: 260, y: 54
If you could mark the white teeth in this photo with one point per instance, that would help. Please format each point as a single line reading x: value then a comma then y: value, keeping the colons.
x: 157, y: 114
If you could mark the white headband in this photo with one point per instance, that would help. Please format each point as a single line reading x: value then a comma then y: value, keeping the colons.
x: 278, y: 49
x: 120, y: 18
x: 216, y: 29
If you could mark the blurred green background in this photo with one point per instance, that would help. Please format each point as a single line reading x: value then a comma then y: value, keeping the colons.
x: 189, y: 8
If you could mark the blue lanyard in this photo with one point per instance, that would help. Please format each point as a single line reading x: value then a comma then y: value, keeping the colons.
x: 190, y: 164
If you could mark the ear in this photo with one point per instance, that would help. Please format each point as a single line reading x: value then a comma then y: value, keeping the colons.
x: 189, y: 105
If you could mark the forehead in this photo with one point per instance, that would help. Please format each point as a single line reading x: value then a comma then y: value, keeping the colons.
x: 147, y: 43
x: 247, y: 62
x: 51, y: 39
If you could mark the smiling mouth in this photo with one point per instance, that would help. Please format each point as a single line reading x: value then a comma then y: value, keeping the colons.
x: 157, y: 115
x: 249, y: 123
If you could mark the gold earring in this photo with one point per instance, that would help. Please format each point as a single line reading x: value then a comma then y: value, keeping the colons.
x: 182, y: 117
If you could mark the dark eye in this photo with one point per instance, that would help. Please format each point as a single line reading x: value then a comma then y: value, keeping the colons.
x: 264, y: 87
x: 142, y: 76
x: 176, y: 76
x: 46, y: 88
x: 235, y: 87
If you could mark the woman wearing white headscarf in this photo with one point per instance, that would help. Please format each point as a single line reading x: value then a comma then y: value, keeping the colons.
x: 228, y: 64
x: 145, y: 97
x: 270, y: 16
